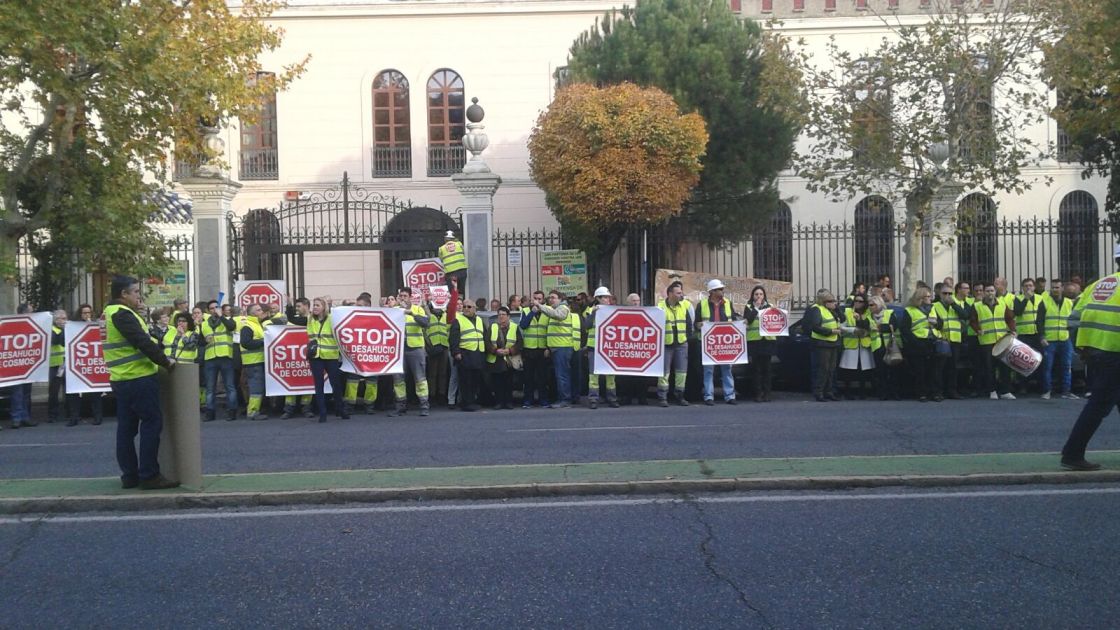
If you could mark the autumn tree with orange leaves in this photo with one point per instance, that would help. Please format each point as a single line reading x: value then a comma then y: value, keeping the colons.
x: 614, y: 157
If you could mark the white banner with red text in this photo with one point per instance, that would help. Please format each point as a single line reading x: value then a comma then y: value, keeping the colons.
x: 371, y: 339
x: 630, y: 340
x: 25, y: 348
x: 287, y: 372
x: 723, y: 343
x: 85, y: 362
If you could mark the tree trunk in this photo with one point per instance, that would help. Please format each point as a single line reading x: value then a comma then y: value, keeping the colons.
x: 9, y: 274
x: 917, y: 206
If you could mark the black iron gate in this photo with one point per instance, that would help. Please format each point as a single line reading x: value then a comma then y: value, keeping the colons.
x: 271, y: 243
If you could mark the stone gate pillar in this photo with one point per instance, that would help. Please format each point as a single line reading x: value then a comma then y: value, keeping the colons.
x: 477, y: 184
x: 212, y: 194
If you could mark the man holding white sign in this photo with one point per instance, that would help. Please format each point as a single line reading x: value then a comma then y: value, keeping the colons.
x: 716, y: 309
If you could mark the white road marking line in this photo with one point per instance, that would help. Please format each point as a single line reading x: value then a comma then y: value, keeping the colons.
x: 41, y: 444
x: 622, y: 428
x: 537, y: 505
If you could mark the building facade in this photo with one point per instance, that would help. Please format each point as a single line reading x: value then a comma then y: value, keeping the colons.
x: 383, y: 101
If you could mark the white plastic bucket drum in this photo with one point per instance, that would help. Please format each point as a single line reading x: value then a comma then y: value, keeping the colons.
x: 1017, y: 355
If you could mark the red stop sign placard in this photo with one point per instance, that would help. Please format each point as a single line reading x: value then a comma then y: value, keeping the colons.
x: 85, y: 360
x: 260, y: 293
x: 723, y: 342
x: 423, y: 274
x: 630, y: 340
x: 24, y: 347
x: 286, y: 360
x: 373, y: 343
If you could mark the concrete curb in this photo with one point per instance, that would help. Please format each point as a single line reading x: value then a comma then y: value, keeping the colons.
x: 202, y: 500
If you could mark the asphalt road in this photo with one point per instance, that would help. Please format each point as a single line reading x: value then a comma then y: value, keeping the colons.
x: 785, y: 428
x: 1023, y: 557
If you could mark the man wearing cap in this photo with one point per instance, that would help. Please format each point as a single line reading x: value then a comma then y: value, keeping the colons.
x: 716, y: 309
x: 602, y: 298
x: 1098, y: 339
x: 454, y: 259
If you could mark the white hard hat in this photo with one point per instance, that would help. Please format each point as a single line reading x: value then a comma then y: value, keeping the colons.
x: 714, y: 284
x: 450, y: 235
x: 602, y: 292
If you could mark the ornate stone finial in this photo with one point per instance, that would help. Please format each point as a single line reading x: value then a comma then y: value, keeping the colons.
x: 475, y: 141
x: 475, y: 113
x: 215, y: 146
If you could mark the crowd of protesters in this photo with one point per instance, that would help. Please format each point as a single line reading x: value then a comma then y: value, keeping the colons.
x: 937, y: 344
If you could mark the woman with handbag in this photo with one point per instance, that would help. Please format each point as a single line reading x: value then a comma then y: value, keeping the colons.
x: 885, y: 350
x: 502, y: 348
x: 919, y: 328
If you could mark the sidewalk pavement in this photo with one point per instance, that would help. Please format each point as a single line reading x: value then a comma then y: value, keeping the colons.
x: 26, y: 496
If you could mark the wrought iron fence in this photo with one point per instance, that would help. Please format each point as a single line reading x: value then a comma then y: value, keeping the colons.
x: 814, y: 256
x: 92, y: 287
x: 517, y: 259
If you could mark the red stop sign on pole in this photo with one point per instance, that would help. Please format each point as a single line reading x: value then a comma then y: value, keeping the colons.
x: 630, y: 340
x: 421, y: 274
x: 260, y: 292
x: 723, y: 343
x: 24, y: 348
x: 85, y: 360
x: 371, y: 342
x: 286, y: 361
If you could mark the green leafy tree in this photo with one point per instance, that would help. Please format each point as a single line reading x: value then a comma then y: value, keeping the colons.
x: 724, y: 68
x: 1082, y: 63
x: 608, y: 158
x: 878, y: 118
x: 95, y: 94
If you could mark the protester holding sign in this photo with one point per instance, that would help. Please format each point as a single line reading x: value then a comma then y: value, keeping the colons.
x: 322, y: 351
x: 760, y: 347
x: 416, y: 319
x: 74, y: 401
x: 717, y: 309
x: 602, y: 298
x: 56, y: 386
x: 454, y: 259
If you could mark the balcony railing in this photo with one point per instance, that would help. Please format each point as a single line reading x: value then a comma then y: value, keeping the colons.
x: 391, y: 161
x: 445, y: 160
x: 259, y: 164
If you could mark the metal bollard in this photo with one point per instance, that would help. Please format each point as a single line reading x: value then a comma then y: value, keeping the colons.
x: 180, y: 445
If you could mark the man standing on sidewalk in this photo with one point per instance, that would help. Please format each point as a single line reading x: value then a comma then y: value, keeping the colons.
x: 716, y: 309
x: 563, y: 325
x: 678, y: 322
x: 1098, y: 338
x: 133, y: 359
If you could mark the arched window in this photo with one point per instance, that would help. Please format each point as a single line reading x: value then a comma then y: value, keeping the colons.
x: 773, y: 247
x: 392, y: 138
x: 259, y: 151
x: 446, y: 123
x: 1078, y: 224
x: 871, y: 112
x: 976, y: 238
x: 874, y: 235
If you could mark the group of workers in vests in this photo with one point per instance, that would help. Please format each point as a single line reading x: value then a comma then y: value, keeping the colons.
x: 943, y: 338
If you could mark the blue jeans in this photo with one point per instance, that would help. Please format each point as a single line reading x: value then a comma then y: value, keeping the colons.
x: 138, y: 412
x: 20, y: 403
x: 1063, y: 350
x: 225, y: 366
x: 562, y: 363
x: 728, y: 382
